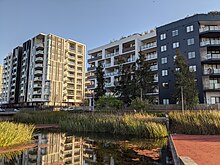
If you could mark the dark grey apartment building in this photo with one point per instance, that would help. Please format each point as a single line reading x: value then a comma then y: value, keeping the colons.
x: 197, y: 38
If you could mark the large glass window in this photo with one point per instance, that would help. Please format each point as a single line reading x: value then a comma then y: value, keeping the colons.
x: 189, y: 28
x: 175, y: 33
x: 163, y: 36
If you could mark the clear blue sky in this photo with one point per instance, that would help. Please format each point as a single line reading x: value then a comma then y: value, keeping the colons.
x: 92, y: 22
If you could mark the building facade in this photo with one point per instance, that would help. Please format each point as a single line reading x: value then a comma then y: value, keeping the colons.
x: 49, y: 72
x: 197, y: 38
x: 127, y: 48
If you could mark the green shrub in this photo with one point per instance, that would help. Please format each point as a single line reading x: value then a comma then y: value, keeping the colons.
x: 139, y: 104
x: 108, y: 103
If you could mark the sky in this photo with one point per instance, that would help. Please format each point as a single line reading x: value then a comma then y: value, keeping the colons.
x: 92, y: 22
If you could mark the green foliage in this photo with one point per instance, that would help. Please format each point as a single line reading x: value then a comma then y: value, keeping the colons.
x: 138, y: 124
x: 185, y: 79
x: 135, y: 80
x: 195, y: 122
x: 14, y: 134
x: 100, y: 89
x: 108, y: 103
x: 139, y: 104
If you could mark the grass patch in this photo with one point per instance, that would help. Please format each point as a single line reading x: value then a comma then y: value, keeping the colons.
x: 138, y: 124
x: 195, y: 122
x: 12, y: 134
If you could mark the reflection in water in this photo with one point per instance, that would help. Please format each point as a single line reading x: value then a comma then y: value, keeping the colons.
x: 60, y: 148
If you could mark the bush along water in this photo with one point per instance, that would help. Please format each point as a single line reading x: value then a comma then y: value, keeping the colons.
x: 12, y: 134
x: 139, y: 124
x: 195, y: 122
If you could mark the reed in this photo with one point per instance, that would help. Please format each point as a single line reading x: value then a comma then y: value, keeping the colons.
x: 195, y: 122
x: 139, y: 124
x: 12, y: 134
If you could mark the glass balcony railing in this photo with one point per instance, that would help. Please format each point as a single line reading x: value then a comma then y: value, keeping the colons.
x: 210, y: 42
x: 211, y: 71
x: 212, y: 86
x: 111, y: 74
x: 111, y: 54
x: 213, y: 56
x: 209, y: 28
x: 149, y: 46
x: 154, y: 67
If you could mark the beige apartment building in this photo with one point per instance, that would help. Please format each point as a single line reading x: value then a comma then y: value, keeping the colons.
x: 51, y: 72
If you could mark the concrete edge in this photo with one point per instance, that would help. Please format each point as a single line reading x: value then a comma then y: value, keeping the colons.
x: 185, y: 160
x: 173, y: 151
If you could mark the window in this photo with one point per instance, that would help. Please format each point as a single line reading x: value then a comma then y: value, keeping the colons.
x: 192, y: 68
x: 191, y: 55
x: 175, y: 45
x: 163, y: 36
x: 190, y: 41
x: 164, y: 72
x: 175, y: 33
x: 189, y: 28
x: 177, y: 69
x: 174, y: 58
x: 165, y: 101
x: 165, y: 85
x: 163, y: 48
x: 164, y: 60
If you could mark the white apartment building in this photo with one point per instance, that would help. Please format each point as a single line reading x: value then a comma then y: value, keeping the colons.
x: 49, y: 72
x: 127, y: 48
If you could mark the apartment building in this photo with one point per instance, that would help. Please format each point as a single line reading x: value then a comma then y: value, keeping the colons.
x: 50, y: 72
x: 198, y: 39
x: 127, y: 48
x: 1, y: 82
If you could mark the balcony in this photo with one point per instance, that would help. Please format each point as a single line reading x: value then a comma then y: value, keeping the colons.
x: 149, y: 46
x: 92, y: 77
x: 209, y: 28
x: 39, y: 59
x: 110, y: 74
x: 37, y: 79
x: 212, y: 86
x: 108, y: 84
x: 210, y: 43
x: 71, y: 63
x: 37, y: 86
x: 211, y: 71
x: 91, y: 86
x: 91, y: 68
x: 128, y: 49
x: 38, y: 72
x: 40, y: 52
x: 36, y: 93
x: 39, y: 45
x: 211, y: 57
x: 94, y: 58
x: 151, y: 57
x: 154, y: 67
x: 111, y: 54
x: 38, y: 66
x: 70, y: 75
x: 107, y: 65
x: 71, y: 57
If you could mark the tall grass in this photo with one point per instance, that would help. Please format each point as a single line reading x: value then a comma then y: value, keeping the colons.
x: 195, y: 122
x: 123, y: 124
x: 14, y: 134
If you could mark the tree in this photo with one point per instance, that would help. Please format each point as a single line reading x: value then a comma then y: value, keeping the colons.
x: 124, y: 88
x: 185, y: 79
x: 144, y: 78
x: 100, y: 89
x: 135, y: 80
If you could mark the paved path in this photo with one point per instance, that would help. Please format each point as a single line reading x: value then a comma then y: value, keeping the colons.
x: 204, y: 150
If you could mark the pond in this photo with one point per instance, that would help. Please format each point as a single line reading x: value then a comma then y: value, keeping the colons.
x: 63, y: 148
